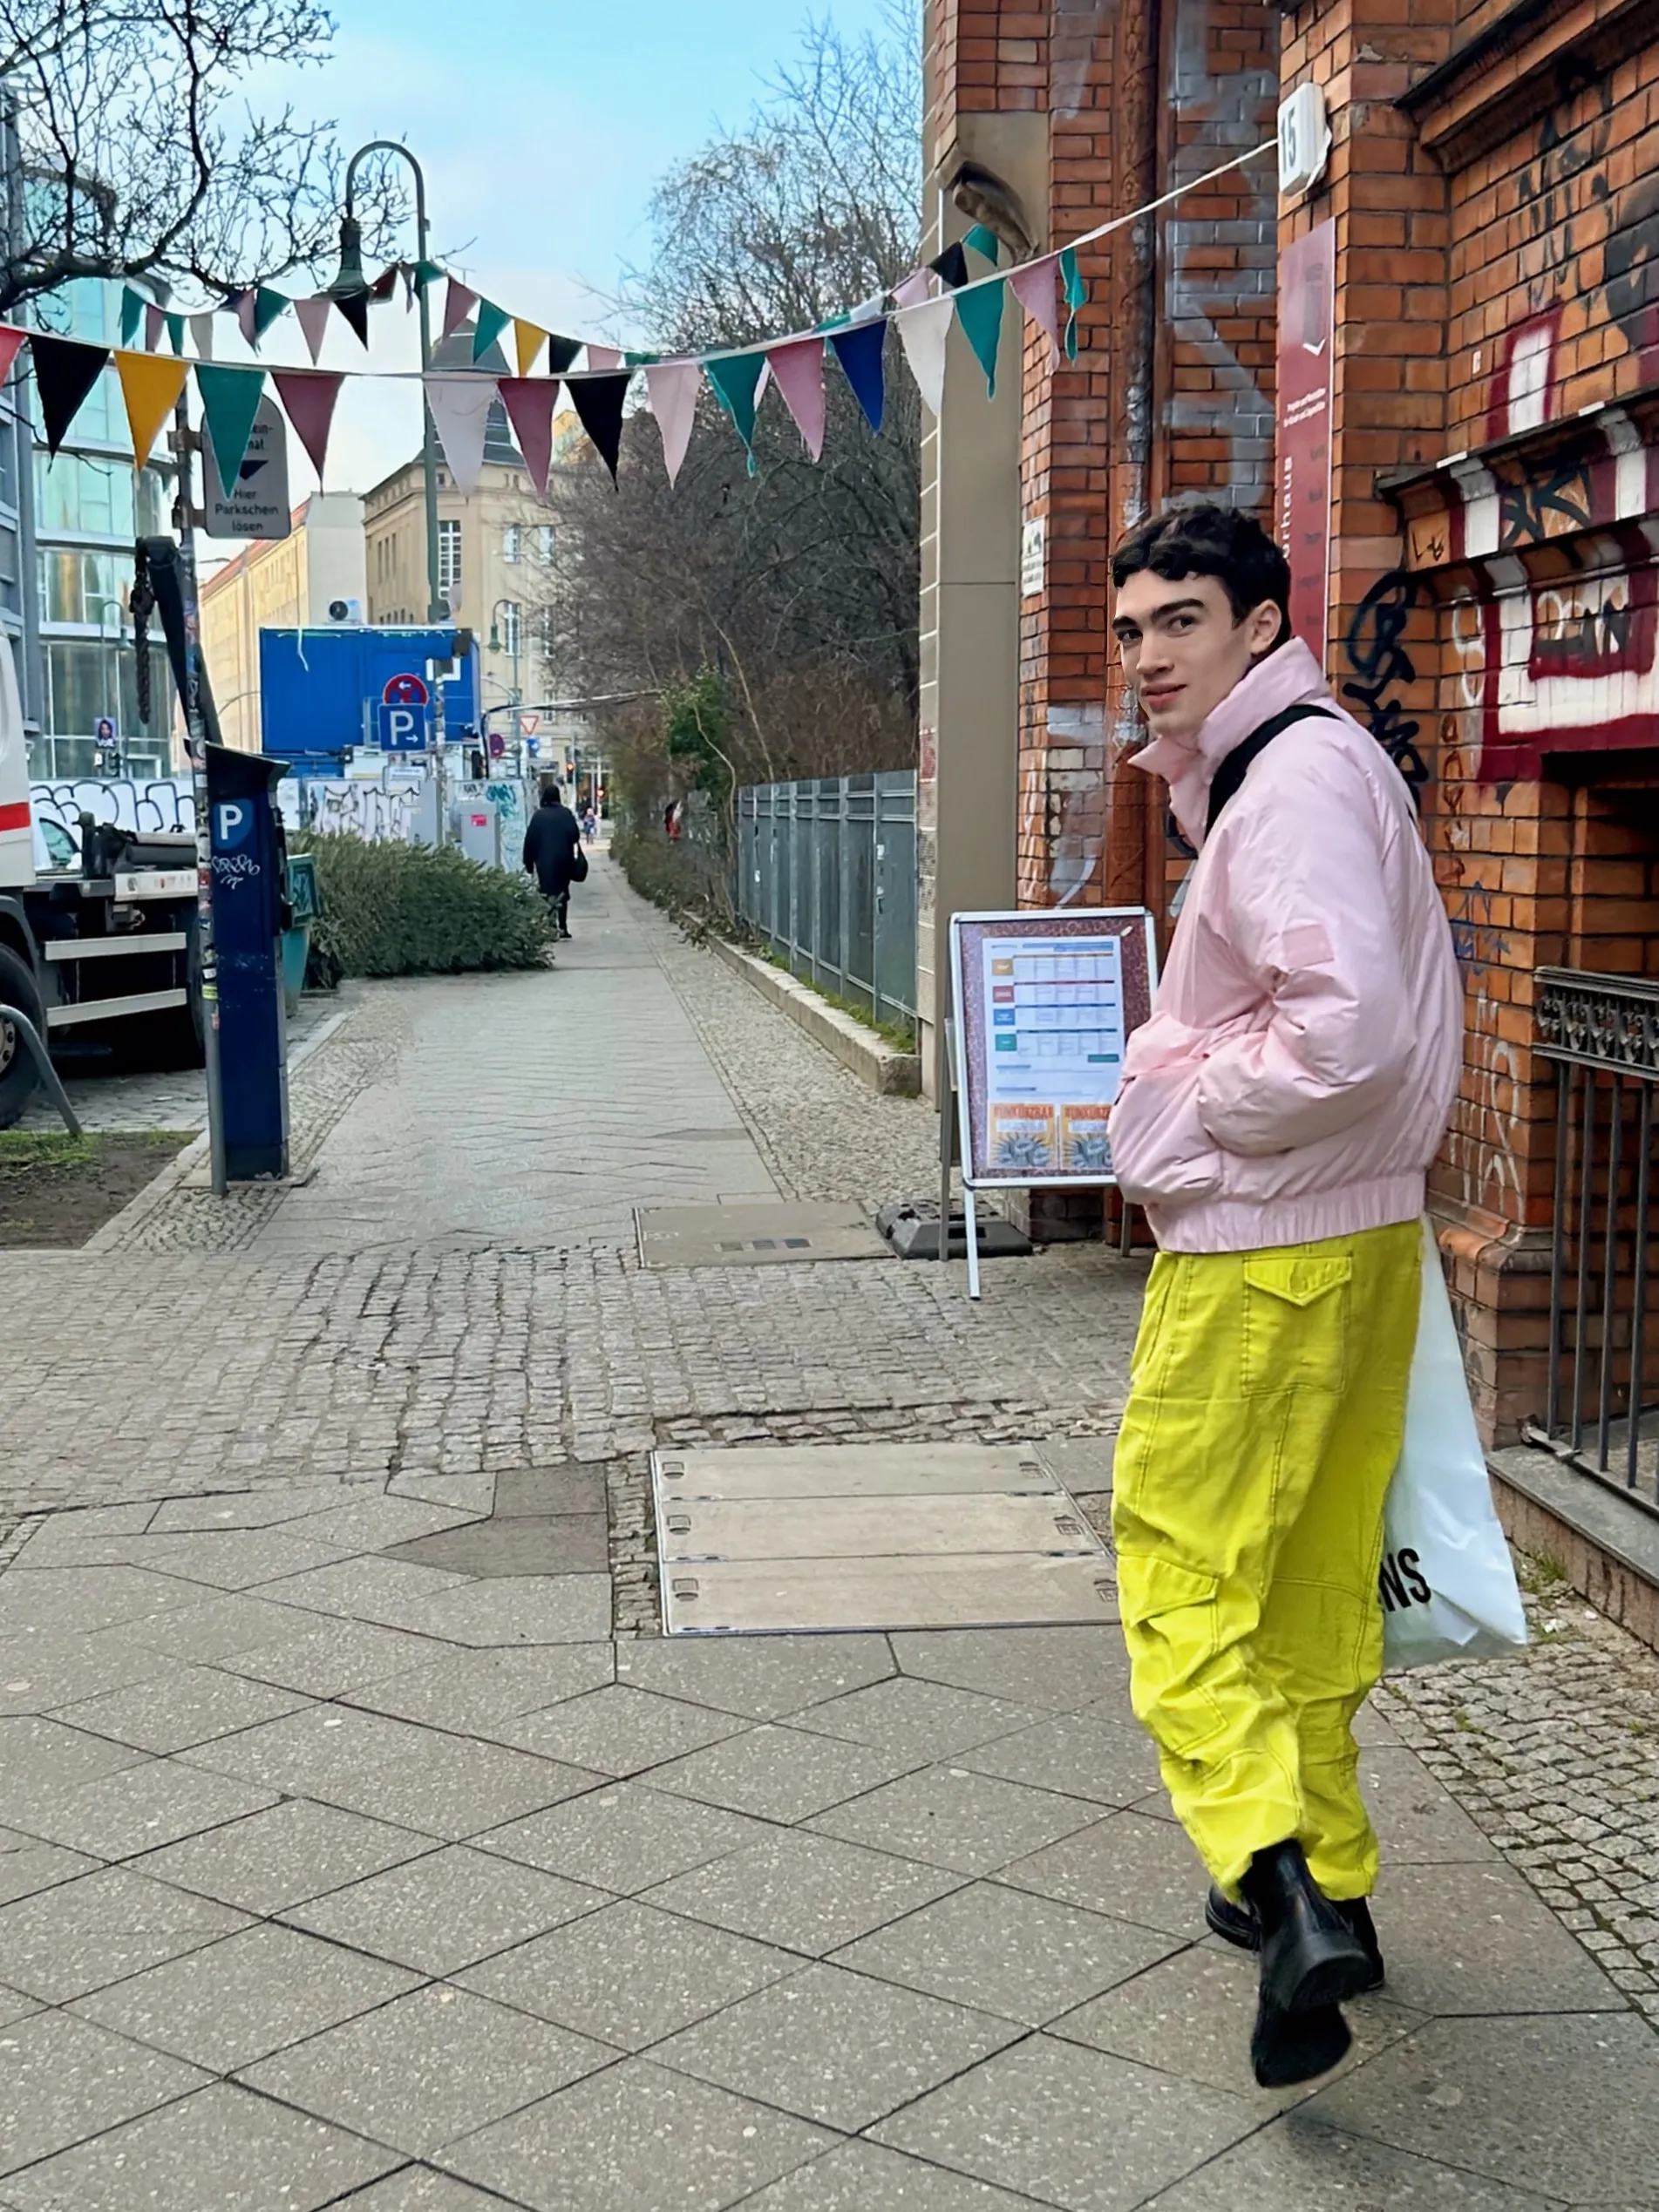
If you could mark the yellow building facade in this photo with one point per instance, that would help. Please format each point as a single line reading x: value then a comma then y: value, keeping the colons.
x: 279, y: 583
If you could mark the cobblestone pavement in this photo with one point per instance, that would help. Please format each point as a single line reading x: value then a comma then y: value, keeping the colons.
x: 364, y: 1845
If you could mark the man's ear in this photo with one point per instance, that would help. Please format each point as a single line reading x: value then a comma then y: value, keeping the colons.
x: 1265, y: 628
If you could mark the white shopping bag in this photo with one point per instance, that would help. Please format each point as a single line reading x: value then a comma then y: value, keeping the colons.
x: 1447, y: 1584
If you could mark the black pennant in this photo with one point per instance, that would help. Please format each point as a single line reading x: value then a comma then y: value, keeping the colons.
x: 560, y: 353
x: 951, y: 267
x: 355, y: 307
x: 598, y: 401
x: 65, y: 374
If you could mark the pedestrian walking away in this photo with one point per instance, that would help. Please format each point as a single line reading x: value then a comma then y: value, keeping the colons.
x: 1277, y: 1118
x: 553, y: 853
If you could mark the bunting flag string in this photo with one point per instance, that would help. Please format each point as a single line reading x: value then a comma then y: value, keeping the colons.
x: 924, y: 305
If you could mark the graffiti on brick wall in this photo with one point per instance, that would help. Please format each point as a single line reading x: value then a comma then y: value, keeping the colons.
x: 161, y: 808
x: 1375, y: 655
x: 363, y: 810
x: 1630, y: 273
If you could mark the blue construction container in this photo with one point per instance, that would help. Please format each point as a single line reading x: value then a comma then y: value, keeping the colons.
x: 320, y: 690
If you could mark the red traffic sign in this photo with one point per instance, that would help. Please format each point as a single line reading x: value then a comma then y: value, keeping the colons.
x: 498, y: 744
x: 405, y: 691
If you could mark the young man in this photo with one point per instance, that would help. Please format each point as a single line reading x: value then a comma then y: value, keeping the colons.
x: 1277, y: 1117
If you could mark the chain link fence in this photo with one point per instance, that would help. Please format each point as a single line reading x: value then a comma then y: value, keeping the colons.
x: 825, y: 873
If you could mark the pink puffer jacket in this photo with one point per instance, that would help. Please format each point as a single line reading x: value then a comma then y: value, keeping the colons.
x: 1296, y: 1076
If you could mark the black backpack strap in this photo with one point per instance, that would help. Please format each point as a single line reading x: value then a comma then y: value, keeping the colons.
x: 1230, y: 774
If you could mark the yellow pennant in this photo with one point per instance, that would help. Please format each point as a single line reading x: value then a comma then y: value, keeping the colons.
x: 531, y: 339
x: 150, y: 384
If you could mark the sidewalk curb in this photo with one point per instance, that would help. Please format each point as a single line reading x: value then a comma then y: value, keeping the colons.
x: 887, y: 1070
x: 183, y: 1165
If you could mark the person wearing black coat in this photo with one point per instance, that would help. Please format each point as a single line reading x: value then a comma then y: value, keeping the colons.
x: 552, y: 844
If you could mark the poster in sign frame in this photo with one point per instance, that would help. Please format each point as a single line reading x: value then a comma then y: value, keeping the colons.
x: 1044, y: 1002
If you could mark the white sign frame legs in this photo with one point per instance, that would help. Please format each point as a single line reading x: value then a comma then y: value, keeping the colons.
x: 1116, y: 985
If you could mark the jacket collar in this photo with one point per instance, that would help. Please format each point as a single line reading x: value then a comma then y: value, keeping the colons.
x: 1287, y: 678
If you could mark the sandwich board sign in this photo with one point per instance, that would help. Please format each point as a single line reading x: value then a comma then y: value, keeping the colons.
x: 1044, y: 1002
x: 257, y: 506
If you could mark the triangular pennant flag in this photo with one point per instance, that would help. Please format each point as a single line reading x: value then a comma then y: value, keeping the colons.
x: 154, y: 323
x: 201, y: 336
x: 246, y: 304
x: 65, y: 374
x: 858, y: 350
x: 673, y: 388
x: 560, y: 353
x: 911, y: 291
x: 267, y: 305
x: 423, y: 274
x: 598, y: 401
x: 950, y: 267
x: 460, y: 411
x: 229, y: 402
x: 457, y: 306
x: 925, y: 335
x: 736, y: 379
x: 1033, y: 287
x: 131, y: 313
x: 529, y: 402
x: 604, y: 357
x: 983, y: 241
x: 409, y: 272
x: 980, y: 311
x: 798, y: 370
x: 385, y: 285
x: 313, y: 318
x: 175, y: 332
x: 307, y: 397
x: 150, y: 385
x: 492, y: 320
x: 528, y: 339
x: 354, y: 307
x: 641, y: 360
x: 1077, y: 292
x: 10, y: 343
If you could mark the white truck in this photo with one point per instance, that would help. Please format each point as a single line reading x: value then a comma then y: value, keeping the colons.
x: 105, y: 938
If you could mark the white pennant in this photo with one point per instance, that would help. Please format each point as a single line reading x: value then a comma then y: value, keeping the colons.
x: 672, y: 386
x: 460, y: 407
x: 925, y: 333
x: 313, y: 317
x: 201, y: 336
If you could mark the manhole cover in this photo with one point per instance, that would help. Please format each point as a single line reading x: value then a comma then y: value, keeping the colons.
x: 754, y: 1235
x: 762, y: 1539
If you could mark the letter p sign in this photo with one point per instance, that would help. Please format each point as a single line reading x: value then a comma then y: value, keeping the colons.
x: 403, y: 729
x: 233, y: 820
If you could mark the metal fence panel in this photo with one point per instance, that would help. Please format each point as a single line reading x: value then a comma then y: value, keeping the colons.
x: 826, y: 875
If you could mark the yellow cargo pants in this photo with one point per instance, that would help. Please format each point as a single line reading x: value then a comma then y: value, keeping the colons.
x: 1266, y: 1408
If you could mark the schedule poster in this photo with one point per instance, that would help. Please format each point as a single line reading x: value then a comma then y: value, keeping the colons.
x: 1045, y: 1003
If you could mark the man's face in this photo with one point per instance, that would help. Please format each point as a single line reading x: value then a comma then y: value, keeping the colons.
x: 1181, y: 649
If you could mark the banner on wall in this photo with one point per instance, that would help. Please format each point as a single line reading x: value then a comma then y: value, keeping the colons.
x: 1307, y: 342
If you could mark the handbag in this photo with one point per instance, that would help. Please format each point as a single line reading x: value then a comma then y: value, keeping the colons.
x: 579, y: 866
x: 1447, y: 1584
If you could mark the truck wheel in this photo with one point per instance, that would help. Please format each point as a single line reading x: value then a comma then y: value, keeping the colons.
x: 17, y: 1074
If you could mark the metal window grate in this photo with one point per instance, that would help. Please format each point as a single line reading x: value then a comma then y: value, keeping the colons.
x: 1602, y: 1408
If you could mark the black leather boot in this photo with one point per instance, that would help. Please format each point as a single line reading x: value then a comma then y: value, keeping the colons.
x: 1237, y: 1924
x: 1311, y: 1963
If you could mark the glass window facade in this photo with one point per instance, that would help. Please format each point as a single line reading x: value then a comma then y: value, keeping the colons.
x: 86, y: 680
x: 83, y: 495
x: 449, y: 562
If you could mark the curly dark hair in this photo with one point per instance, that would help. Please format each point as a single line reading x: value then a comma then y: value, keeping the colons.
x: 1211, y: 541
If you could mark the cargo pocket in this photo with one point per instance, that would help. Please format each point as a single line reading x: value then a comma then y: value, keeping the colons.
x: 1295, y: 1322
x: 1171, y: 1625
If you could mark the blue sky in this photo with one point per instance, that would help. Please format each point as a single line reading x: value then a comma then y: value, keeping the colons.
x: 541, y: 128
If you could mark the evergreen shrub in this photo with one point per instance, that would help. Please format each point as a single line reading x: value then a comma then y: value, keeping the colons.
x: 392, y: 909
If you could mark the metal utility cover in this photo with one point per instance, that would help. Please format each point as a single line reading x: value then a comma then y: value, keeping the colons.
x: 754, y: 1235
x: 762, y: 1539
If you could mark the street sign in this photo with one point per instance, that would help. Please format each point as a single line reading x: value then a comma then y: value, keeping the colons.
x: 498, y: 744
x: 257, y: 505
x: 403, y: 730
x: 528, y: 724
x: 406, y: 691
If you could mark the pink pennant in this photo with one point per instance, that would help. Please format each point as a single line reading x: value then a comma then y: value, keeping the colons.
x: 314, y: 322
x: 798, y: 371
x: 529, y: 402
x: 246, y: 303
x: 672, y: 386
x: 457, y: 306
x: 154, y: 323
x: 913, y: 289
x: 9, y: 342
x: 307, y: 397
x: 1033, y: 285
x: 604, y: 357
